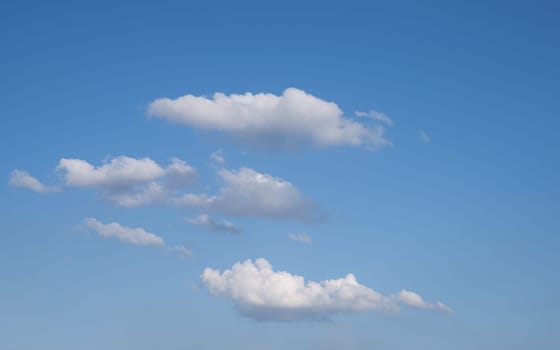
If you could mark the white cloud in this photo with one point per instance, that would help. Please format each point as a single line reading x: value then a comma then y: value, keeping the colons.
x: 195, y: 200
x: 377, y: 116
x: 122, y: 180
x: 118, y: 172
x: 423, y: 136
x: 291, y: 120
x: 131, y: 182
x: 300, y: 238
x: 412, y: 299
x: 218, y: 156
x: 260, y: 292
x: 19, y: 178
x: 132, y: 235
x: 211, y: 224
x: 179, y: 249
x: 178, y: 174
x: 248, y: 193
x: 135, y: 236
x: 138, y: 195
x: 128, y: 181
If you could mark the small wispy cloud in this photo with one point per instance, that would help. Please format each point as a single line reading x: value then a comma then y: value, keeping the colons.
x: 377, y: 116
x: 179, y: 249
x: 214, y: 225
x: 300, y: 238
x: 131, y: 235
x: 218, y: 156
x: 412, y: 299
x: 423, y: 136
x: 20, y: 178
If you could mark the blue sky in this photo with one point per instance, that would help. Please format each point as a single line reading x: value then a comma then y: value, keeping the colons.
x: 453, y: 199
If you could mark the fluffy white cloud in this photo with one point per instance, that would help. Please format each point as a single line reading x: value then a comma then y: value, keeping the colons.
x: 131, y: 182
x: 300, y: 238
x: 122, y: 180
x: 377, y: 116
x: 211, y: 224
x: 19, y: 178
x: 118, y: 172
x: 248, y: 193
x: 132, y: 235
x: 264, y: 294
x: 128, y: 181
x: 136, y: 236
x: 423, y: 136
x: 290, y: 120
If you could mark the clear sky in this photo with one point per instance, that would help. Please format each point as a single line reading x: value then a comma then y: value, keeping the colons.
x: 375, y: 175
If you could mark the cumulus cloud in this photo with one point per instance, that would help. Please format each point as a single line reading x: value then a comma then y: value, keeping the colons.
x: 213, y: 225
x: 261, y: 293
x: 131, y: 182
x: 19, y: 178
x: 377, y: 116
x: 300, y: 238
x: 118, y: 172
x: 132, y: 235
x: 178, y: 174
x: 249, y: 193
x: 135, y: 196
x: 423, y: 136
x: 128, y: 181
x: 291, y: 120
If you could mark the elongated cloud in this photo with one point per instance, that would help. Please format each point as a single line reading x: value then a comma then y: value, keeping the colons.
x: 128, y: 181
x: 135, y: 236
x: 377, y: 116
x: 291, y: 120
x: 118, y: 172
x: 412, y: 299
x: 132, y: 235
x: 264, y: 294
x: 19, y: 178
x: 214, y: 225
x: 300, y: 238
x: 181, y: 250
x: 423, y: 136
x: 133, y: 182
x: 249, y: 193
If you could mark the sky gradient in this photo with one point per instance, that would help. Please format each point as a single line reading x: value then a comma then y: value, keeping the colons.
x: 365, y: 175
